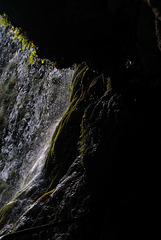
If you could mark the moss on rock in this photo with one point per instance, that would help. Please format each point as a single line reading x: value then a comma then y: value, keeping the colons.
x: 67, y: 143
x: 64, y: 147
x: 5, y: 213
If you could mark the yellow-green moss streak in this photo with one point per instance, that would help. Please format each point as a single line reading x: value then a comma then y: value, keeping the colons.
x: 75, y: 97
x: 44, y: 197
x: 84, y: 83
x: 76, y: 83
x: 4, y: 21
x: 71, y: 119
x: 21, y: 35
x: 5, y: 213
x: 108, y: 83
x: 81, y: 143
x: 97, y: 87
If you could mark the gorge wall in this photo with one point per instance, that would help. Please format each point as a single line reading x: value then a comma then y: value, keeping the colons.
x: 102, y: 165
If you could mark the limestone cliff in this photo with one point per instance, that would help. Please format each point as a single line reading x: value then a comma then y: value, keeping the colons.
x: 102, y: 165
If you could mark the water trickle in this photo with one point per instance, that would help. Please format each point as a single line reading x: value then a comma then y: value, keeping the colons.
x: 33, y: 98
x: 35, y: 172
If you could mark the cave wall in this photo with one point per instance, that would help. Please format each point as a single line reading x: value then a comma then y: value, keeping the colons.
x: 111, y: 129
x: 75, y: 31
x: 105, y: 33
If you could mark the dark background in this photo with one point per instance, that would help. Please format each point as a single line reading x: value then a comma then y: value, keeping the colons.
x: 102, y: 32
x: 120, y: 38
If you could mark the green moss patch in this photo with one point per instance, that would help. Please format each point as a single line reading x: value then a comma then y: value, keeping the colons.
x: 68, y: 139
x: 64, y: 147
x: 5, y: 213
x: 21, y: 35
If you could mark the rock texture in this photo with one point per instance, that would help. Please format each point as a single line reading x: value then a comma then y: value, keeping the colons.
x: 103, y: 162
x: 79, y: 30
x: 33, y: 99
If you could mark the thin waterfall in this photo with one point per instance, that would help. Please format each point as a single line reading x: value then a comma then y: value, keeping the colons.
x: 33, y: 98
x: 35, y: 172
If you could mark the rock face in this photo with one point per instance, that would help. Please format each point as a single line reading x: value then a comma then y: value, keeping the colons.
x: 102, y: 165
x: 33, y: 99
x: 95, y: 30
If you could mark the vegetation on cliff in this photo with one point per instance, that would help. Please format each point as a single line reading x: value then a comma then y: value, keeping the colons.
x: 107, y: 143
x: 21, y: 35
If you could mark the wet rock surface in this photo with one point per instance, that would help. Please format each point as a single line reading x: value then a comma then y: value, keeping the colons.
x: 67, y: 201
x: 102, y: 164
x: 35, y: 98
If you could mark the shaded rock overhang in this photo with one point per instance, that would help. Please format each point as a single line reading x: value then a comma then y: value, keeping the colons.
x: 69, y: 31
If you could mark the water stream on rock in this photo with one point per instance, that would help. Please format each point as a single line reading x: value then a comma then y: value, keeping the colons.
x: 35, y: 172
x: 33, y: 98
